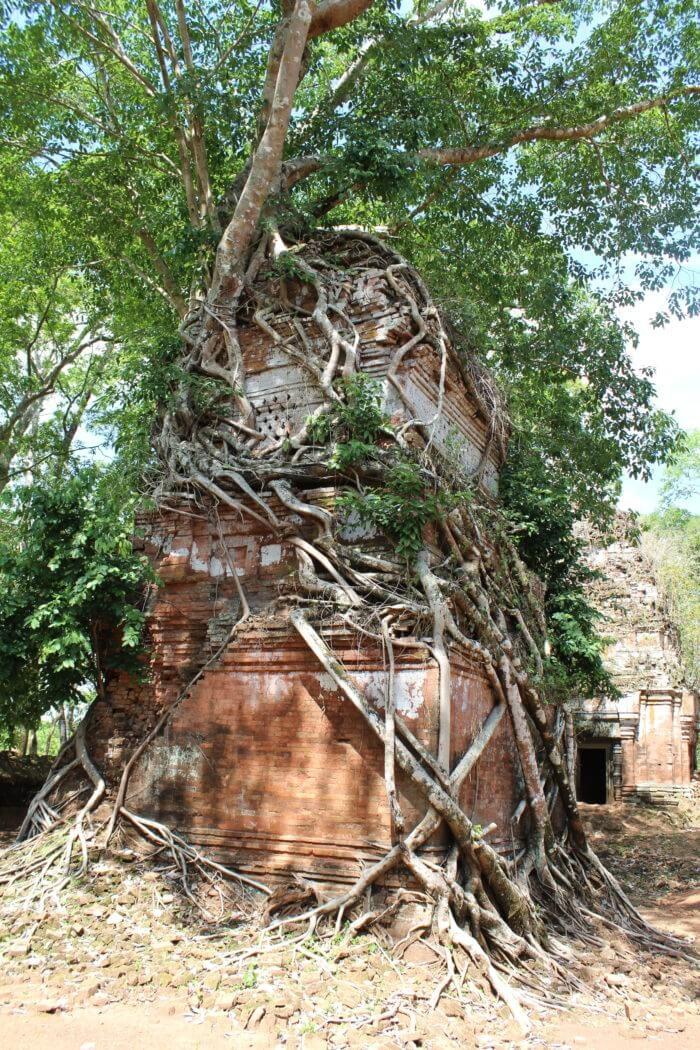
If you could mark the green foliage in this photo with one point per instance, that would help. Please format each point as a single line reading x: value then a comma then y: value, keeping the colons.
x: 681, y: 479
x: 476, y: 78
x: 136, y: 394
x: 671, y: 540
x: 53, y: 345
x: 401, y: 508
x: 286, y: 265
x: 562, y: 358
x: 47, y: 738
x: 250, y: 976
x: 371, y: 160
x: 540, y: 509
x: 575, y: 667
x: 675, y: 552
x: 355, y: 422
x: 69, y: 583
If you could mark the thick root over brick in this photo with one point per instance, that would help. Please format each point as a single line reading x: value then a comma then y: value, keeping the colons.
x: 456, y: 580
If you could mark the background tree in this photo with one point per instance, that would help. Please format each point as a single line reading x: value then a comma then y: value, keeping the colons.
x: 671, y: 540
x: 680, y: 482
x: 54, y: 345
x: 71, y: 592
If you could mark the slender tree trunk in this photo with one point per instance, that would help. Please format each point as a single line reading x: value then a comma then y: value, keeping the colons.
x: 62, y: 725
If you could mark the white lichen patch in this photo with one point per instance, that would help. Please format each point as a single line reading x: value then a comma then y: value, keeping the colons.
x: 271, y: 554
x: 163, y: 543
x: 408, y: 690
x: 327, y: 682
x: 217, y: 567
x: 275, y: 687
x: 176, y: 762
x: 197, y: 563
x: 353, y: 529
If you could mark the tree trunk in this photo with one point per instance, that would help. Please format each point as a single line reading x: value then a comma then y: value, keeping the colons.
x: 62, y: 725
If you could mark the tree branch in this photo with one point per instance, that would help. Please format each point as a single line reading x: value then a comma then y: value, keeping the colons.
x: 48, y: 382
x: 300, y: 168
x: 77, y: 406
x: 267, y: 159
x: 115, y: 48
x: 31, y: 364
x: 169, y: 288
x: 368, y: 49
x: 157, y: 27
x: 372, y: 47
x: 198, y: 143
x: 332, y: 14
x: 470, y: 154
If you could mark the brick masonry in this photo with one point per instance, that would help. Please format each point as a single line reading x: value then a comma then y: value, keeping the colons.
x: 264, y: 762
x: 651, y: 733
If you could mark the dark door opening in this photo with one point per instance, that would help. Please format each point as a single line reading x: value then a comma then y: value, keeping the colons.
x: 593, y: 785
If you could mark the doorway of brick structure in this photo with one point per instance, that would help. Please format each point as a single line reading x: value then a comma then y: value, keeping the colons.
x: 593, y: 774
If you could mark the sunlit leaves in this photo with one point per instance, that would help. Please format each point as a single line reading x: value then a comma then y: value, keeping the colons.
x: 69, y: 590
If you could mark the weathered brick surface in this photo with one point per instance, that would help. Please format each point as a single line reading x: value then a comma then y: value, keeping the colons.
x: 264, y: 762
x: 653, y: 728
x: 283, y: 393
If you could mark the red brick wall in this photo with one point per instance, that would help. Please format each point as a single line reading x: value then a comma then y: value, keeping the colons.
x: 266, y: 763
x: 263, y: 762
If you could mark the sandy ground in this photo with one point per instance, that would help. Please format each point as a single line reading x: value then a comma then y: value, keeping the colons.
x: 122, y: 962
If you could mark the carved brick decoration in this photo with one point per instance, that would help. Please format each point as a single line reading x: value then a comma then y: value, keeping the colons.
x: 283, y: 390
x: 265, y: 762
x: 653, y: 728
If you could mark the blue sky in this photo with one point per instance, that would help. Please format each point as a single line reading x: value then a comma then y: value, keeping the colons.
x: 674, y: 354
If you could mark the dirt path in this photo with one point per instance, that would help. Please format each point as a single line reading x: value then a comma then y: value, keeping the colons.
x: 656, y: 855
x: 122, y: 963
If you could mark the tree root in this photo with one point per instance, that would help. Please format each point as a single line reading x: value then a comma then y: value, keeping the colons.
x: 466, y: 587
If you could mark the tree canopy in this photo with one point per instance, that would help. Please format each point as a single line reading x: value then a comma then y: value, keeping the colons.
x: 71, y: 592
x: 533, y: 159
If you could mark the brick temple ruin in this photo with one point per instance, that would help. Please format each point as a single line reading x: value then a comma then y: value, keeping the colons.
x: 266, y: 763
x: 642, y: 746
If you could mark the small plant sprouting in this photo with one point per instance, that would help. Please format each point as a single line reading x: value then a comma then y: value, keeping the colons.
x: 401, y: 508
x: 355, y: 422
x: 288, y: 267
x: 250, y: 977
